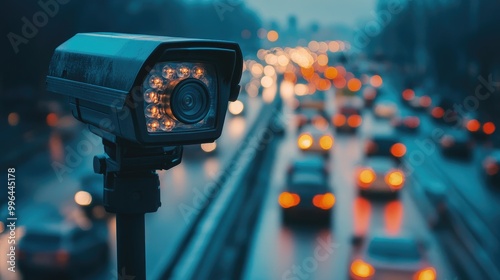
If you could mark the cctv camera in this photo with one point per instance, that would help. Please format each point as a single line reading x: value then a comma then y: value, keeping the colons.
x: 150, y: 90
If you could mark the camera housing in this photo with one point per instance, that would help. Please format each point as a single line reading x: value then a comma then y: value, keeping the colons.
x: 151, y: 90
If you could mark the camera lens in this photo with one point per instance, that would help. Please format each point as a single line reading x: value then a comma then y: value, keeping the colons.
x: 189, y: 101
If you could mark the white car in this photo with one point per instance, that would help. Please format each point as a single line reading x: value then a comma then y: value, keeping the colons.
x: 391, y: 257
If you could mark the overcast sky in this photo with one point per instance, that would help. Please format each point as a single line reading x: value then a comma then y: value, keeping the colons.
x: 347, y: 12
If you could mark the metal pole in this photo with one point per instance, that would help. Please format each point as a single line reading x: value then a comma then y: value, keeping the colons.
x: 130, y: 245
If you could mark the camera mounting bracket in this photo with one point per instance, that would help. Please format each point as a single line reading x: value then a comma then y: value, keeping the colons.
x: 131, y: 189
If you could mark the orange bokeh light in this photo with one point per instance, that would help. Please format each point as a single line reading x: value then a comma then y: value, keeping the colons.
x: 489, y: 128
x: 398, y: 150
x: 354, y: 84
x: 354, y: 120
x: 51, y: 119
x: 376, y: 81
x: 408, y: 94
x: 288, y: 200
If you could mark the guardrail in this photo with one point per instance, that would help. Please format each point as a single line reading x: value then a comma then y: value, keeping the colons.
x: 198, y: 252
x: 469, y: 231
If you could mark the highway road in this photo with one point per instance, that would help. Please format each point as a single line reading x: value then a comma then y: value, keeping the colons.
x: 282, y: 252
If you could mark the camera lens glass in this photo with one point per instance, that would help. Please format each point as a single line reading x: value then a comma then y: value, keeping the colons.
x: 189, y: 101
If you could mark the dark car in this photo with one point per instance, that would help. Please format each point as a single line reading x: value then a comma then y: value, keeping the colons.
x: 62, y: 251
x: 456, y: 143
x: 444, y: 112
x: 317, y: 117
x: 347, y: 119
x: 406, y: 122
x: 491, y: 168
x: 307, y: 198
x: 385, y: 144
x: 379, y: 176
x: 308, y: 163
x: 385, y: 257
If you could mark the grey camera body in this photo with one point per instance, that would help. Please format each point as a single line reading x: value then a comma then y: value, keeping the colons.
x: 150, y: 90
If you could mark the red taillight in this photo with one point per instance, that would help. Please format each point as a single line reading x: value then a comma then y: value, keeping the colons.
x: 425, y: 101
x: 288, y: 200
x: 339, y: 120
x: 324, y: 201
x: 371, y: 147
x: 473, y: 125
x: 437, y: 112
x: 489, y: 128
x: 490, y: 166
x: 408, y: 94
x: 354, y: 120
x: 62, y: 257
x: 412, y: 122
x: 362, y: 269
x: 425, y: 274
x: 398, y: 150
x: 366, y: 177
x: 395, y: 179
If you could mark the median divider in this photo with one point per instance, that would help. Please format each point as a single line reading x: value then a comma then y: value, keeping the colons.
x: 199, y: 251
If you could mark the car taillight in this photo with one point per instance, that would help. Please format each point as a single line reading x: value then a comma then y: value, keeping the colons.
x: 366, y: 177
x: 326, y: 142
x: 437, y: 112
x: 62, y: 257
x: 473, y: 125
x: 412, y: 122
x: 490, y: 166
x: 395, y: 179
x: 408, y: 94
x: 398, y: 150
x: 489, y: 128
x: 425, y: 101
x: 354, y: 120
x: 324, y: 201
x: 370, y: 147
x: 425, y: 274
x: 288, y: 200
x: 339, y: 120
x: 362, y: 269
x: 447, y: 141
x: 305, y: 141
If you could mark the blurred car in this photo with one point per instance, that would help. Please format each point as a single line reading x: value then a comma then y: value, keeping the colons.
x: 385, y: 144
x: 369, y: 96
x: 385, y: 109
x: 311, y: 116
x: 347, y: 119
x: 420, y: 103
x: 379, y: 176
x: 479, y: 128
x: 315, y: 100
x: 58, y: 251
x: 444, y: 112
x: 90, y: 197
x: 406, y: 123
x: 436, y: 213
x: 307, y: 198
x: 385, y: 257
x: 308, y: 163
x: 315, y: 140
x: 491, y: 168
x: 456, y: 143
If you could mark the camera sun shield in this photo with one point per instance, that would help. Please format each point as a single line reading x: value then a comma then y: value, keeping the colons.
x: 151, y: 90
